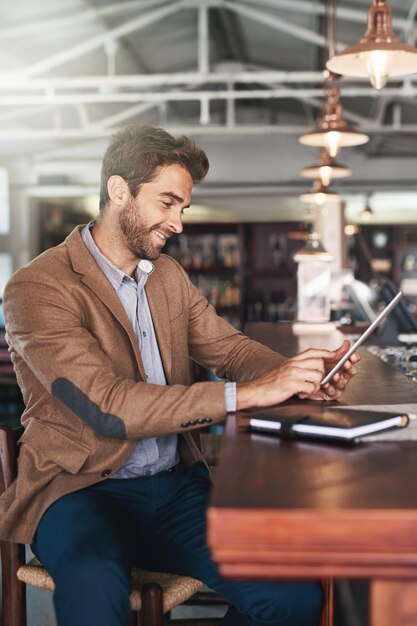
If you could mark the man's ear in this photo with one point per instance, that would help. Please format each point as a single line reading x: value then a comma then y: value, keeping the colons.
x: 118, y: 190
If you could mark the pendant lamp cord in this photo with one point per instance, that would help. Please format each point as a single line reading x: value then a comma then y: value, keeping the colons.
x: 331, y: 27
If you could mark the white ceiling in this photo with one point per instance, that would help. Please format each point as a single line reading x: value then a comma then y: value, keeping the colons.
x: 242, y: 76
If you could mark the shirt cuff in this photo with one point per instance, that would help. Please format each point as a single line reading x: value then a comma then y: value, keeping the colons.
x: 230, y: 397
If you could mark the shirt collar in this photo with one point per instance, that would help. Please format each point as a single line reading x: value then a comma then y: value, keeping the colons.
x: 115, y: 275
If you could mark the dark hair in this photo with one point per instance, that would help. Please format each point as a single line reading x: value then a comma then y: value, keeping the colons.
x: 137, y: 152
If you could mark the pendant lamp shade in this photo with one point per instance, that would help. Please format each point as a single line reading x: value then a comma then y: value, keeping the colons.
x: 319, y: 194
x: 379, y: 53
x: 313, y: 250
x: 326, y: 169
x: 333, y: 131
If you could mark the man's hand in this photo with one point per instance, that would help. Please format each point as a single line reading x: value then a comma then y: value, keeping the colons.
x: 334, y: 389
x: 301, y: 376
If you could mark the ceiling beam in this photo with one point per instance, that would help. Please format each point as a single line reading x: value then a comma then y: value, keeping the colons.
x: 342, y: 13
x: 185, y: 96
x: 282, y: 25
x: 130, y: 26
x: 37, y: 27
x: 19, y: 83
x: 86, y: 134
x: 13, y: 114
x: 112, y: 47
x: 203, y: 52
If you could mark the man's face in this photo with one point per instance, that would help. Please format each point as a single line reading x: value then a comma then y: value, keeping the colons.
x: 156, y: 213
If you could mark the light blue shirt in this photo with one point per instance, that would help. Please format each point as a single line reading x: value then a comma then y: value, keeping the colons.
x: 152, y: 454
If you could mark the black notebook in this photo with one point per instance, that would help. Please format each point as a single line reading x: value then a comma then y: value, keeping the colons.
x: 336, y: 424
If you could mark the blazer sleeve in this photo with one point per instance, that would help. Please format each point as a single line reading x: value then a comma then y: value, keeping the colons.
x: 48, y: 337
x: 217, y: 345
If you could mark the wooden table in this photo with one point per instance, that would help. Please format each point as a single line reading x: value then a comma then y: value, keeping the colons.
x: 283, y: 509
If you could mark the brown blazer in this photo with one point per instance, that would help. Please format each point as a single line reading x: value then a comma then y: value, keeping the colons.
x: 78, y: 364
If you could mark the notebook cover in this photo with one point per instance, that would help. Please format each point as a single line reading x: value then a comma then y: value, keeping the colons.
x: 336, y: 424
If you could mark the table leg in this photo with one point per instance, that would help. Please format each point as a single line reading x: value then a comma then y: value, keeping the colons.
x: 393, y: 603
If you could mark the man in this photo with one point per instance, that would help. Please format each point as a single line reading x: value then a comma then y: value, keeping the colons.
x: 101, y: 329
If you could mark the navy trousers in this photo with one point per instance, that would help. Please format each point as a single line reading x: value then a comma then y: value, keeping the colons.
x: 90, y: 539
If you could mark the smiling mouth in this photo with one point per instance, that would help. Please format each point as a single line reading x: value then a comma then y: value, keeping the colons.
x: 160, y: 236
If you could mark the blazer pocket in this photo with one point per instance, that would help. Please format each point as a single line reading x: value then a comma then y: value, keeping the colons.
x: 50, y: 443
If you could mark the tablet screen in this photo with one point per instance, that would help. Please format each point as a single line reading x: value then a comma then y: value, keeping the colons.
x: 362, y: 338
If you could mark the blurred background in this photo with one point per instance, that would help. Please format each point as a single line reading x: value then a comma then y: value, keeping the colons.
x: 245, y: 79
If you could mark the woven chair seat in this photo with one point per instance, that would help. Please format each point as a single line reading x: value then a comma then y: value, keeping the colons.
x: 175, y: 589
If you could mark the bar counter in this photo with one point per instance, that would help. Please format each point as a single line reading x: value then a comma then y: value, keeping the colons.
x: 286, y: 509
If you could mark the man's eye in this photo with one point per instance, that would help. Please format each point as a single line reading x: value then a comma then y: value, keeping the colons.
x: 166, y: 204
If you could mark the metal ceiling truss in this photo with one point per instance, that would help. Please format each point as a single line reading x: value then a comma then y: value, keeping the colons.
x: 25, y: 92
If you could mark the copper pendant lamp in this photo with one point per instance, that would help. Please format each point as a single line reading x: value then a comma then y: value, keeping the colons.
x: 379, y: 53
x: 319, y: 194
x: 333, y: 131
x: 326, y: 169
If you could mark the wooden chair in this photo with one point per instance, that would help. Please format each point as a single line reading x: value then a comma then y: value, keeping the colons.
x: 153, y: 593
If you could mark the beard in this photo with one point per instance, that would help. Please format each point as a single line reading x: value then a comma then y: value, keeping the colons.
x: 139, y: 238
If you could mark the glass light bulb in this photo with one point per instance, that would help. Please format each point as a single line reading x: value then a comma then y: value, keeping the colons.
x: 351, y: 229
x: 332, y: 141
x: 377, y: 67
x: 326, y: 174
x: 366, y: 214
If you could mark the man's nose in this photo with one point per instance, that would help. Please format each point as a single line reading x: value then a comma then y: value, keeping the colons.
x: 175, y: 224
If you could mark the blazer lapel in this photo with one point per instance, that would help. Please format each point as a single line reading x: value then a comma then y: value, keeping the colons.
x: 92, y: 276
x: 158, y: 305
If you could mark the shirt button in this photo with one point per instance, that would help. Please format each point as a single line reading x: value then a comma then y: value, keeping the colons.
x: 144, y: 333
x: 147, y: 375
x: 106, y: 473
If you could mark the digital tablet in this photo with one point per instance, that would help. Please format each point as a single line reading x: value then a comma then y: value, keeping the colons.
x: 362, y: 338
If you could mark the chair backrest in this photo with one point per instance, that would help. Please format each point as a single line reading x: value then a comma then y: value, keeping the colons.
x: 13, y: 610
x: 8, y: 455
